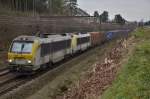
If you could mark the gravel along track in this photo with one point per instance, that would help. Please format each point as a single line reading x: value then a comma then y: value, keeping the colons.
x: 23, y: 88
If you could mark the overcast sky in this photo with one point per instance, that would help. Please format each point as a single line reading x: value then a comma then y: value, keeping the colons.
x: 131, y: 10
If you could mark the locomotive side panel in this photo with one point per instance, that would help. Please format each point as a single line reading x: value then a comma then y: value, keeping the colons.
x: 60, y: 49
x: 84, y: 41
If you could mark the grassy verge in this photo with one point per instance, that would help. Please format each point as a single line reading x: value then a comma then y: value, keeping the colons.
x: 133, y: 81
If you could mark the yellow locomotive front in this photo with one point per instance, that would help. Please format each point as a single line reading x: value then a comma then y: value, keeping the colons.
x: 21, y: 55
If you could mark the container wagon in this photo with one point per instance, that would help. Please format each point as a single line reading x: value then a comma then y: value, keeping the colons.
x: 96, y: 38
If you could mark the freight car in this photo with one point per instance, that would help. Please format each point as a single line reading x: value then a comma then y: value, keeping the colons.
x: 96, y: 38
x: 110, y: 35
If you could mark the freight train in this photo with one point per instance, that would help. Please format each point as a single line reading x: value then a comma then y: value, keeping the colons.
x: 31, y: 53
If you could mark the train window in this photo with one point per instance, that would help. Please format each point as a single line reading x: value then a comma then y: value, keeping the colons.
x: 59, y: 45
x: 27, y: 48
x: 45, y: 49
x: 16, y: 47
x: 21, y: 47
x: 83, y: 40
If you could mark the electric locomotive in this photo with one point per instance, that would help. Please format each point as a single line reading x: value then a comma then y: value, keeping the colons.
x: 30, y: 53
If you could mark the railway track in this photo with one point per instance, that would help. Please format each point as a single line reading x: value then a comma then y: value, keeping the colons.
x: 11, y: 84
x: 4, y: 71
x: 10, y: 81
x: 6, y: 78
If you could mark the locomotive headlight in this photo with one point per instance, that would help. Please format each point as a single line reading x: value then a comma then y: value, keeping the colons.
x: 29, y: 61
x: 10, y: 60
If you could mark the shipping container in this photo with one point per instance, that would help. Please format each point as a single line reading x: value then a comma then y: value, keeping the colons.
x: 96, y: 38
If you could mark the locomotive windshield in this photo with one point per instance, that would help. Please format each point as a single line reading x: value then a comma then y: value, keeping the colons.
x: 21, y: 47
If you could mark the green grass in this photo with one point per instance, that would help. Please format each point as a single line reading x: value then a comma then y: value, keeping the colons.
x: 133, y: 81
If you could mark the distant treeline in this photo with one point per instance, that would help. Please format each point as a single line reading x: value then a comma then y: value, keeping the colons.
x: 39, y: 6
x: 104, y: 17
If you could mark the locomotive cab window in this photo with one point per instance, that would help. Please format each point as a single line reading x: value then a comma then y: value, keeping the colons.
x: 21, y: 47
